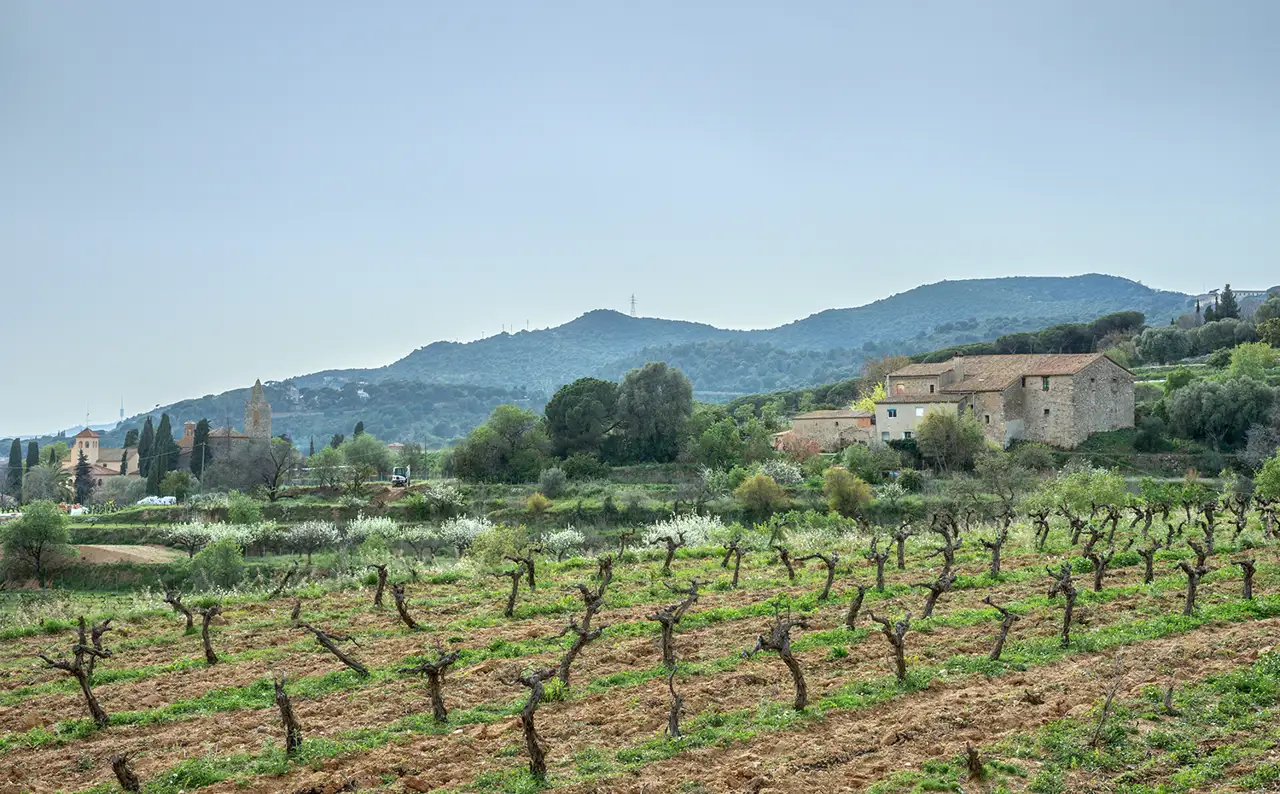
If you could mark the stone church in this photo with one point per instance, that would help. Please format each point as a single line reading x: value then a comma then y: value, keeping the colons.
x: 257, y: 427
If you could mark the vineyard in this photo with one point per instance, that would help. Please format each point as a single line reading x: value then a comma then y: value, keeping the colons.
x: 1123, y: 644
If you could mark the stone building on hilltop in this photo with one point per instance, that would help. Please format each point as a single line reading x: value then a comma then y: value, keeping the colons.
x: 1058, y: 399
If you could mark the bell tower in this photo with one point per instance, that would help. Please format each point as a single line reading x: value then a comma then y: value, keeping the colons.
x: 257, y: 414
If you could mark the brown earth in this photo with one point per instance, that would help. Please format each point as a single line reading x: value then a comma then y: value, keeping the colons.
x: 136, y: 554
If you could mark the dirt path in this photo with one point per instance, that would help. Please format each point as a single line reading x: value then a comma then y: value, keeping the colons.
x: 138, y: 554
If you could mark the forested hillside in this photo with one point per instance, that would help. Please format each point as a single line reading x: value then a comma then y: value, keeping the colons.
x: 819, y: 348
x: 431, y: 414
x: 439, y: 392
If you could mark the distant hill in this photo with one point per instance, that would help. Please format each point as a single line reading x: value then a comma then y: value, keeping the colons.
x: 608, y: 343
x: 441, y: 391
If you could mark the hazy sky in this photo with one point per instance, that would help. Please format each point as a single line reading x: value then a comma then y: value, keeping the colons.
x: 195, y: 195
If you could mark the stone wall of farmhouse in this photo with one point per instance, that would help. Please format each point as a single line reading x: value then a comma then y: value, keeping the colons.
x: 832, y: 434
x: 990, y: 410
x: 914, y: 385
x: 1050, y: 415
x: 1103, y: 397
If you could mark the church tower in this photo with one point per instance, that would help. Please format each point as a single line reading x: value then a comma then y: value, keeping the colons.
x: 257, y: 414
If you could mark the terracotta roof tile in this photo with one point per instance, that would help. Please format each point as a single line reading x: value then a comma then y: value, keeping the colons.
x: 998, y: 372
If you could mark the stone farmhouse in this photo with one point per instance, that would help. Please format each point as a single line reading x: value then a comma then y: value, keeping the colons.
x: 1058, y: 399
x: 831, y: 430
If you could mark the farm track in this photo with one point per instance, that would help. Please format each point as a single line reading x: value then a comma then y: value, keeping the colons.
x: 603, y: 720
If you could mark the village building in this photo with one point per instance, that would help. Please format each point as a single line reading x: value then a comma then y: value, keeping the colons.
x: 1058, y: 399
x: 832, y: 431
x: 104, y: 462
x: 257, y: 427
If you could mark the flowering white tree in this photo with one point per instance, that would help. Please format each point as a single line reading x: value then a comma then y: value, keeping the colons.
x: 312, y: 536
x: 190, y: 537
x: 460, y: 532
x: 562, y: 542
x: 422, y: 537
x: 365, y: 527
x: 783, y: 471
x: 697, y: 530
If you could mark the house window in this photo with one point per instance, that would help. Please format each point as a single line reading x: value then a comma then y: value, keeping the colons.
x: 884, y: 436
x: 1044, y: 384
x: 1024, y: 381
x: 906, y: 434
x: 1093, y: 380
x: 986, y: 418
x: 1046, y: 412
x: 931, y: 388
x: 899, y: 389
x: 893, y: 412
x: 919, y: 410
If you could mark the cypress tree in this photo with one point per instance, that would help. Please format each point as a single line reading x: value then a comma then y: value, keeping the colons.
x: 154, y: 473
x: 312, y: 450
x: 164, y: 451
x: 33, y: 455
x: 145, y: 444
x: 131, y: 437
x: 84, y: 480
x: 359, y: 431
x: 201, y: 453
x: 13, y: 474
x: 1228, y: 307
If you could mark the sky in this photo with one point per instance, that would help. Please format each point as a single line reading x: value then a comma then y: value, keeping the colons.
x: 193, y: 196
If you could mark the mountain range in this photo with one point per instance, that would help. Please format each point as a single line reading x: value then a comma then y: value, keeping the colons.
x: 440, y: 391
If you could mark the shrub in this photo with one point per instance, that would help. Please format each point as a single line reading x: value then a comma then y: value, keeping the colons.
x: 537, y: 504
x: 552, y: 482
x: 1036, y: 457
x: 761, y: 495
x: 846, y: 494
x: 583, y: 466
x: 220, y: 564
x: 911, y: 480
x: 176, y: 484
x: 243, y: 509
x: 871, y: 464
x: 1151, y: 435
x: 498, y: 541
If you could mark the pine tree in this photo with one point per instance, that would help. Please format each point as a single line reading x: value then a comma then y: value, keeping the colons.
x: 164, y: 452
x: 33, y: 455
x: 84, y: 480
x: 336, y: 440
x: 145, y: 444
x: 1228, y: 307
x: 131, y: 438
x: 359, y: 431
x: 201, y: 453
x: 13, y: 478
